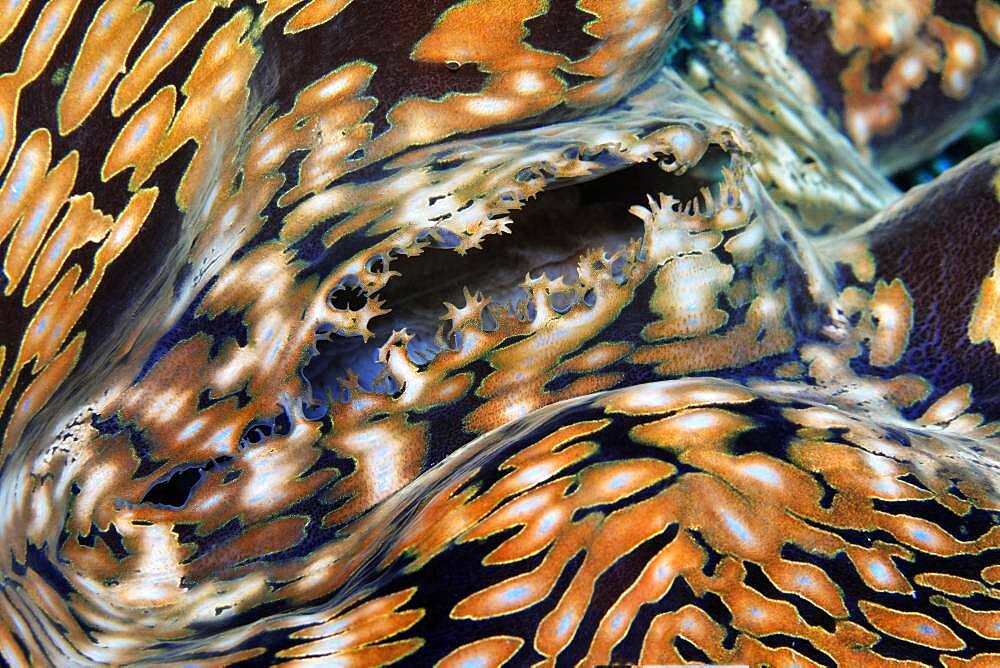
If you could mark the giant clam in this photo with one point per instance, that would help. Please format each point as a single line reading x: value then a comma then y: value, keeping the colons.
x: 353, y: 332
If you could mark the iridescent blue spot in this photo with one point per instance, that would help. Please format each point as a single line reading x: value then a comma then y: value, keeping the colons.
x: 636, y: 40
x: 737, y: 527
x: 605, y: 85
x: 190, y: 430
x: 698, y: 17
x: 222, y: 436
x: 50, y: 26
x: 763, y: 473
x: 927, y: 629
x: 36, y: 219
x: 941, y: 164
x: 57, y: 248
x: 20, y: 183
x: 620, y: 480
x: 515, y: 594
x: 564, y: 624
x: 474, y: 662
x: 879, y: 571
x: 96, y: 75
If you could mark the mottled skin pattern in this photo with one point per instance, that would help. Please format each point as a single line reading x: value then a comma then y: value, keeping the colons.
x: 900, y: 74
x: 352, y: 332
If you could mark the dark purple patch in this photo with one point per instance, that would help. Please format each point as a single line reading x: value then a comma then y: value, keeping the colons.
x: 561, y: 30
x: 942, y: 246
